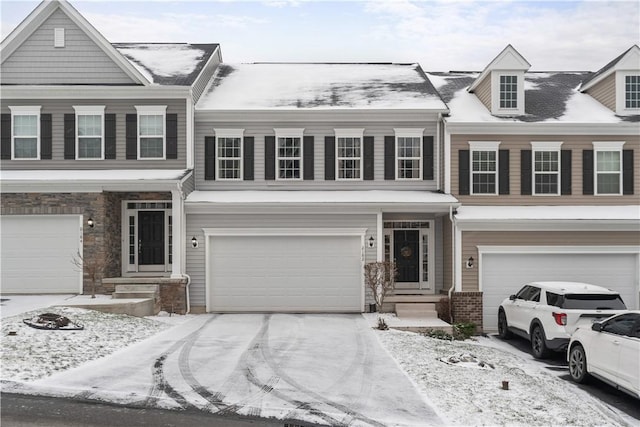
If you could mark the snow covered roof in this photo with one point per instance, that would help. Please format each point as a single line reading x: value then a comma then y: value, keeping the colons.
x: 549, y: 98
x: 168, y: 63
x: 548, y: 213
x: 320, y: 86
x: 377, y: 197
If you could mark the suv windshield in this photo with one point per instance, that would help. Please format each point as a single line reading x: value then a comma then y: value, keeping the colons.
x: 586, y: 301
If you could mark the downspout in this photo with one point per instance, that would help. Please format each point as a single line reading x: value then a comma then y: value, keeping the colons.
x: 186, y: 290
x: 183, y: 248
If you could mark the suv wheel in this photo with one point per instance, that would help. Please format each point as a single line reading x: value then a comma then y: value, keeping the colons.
x: 503, y: 327
x: 578, y: 364
x: 538, y: 346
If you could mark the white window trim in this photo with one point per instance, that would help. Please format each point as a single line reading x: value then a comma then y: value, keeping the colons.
x: 349, y: 133
x: 538, y: 146
x: 152, y: 110
x: 621, y: 108
x: 230, y: 133
x: 495, y: 93
x: 484, y: 146
x: 290, y: 133
x: 600, y: 146
x: 90, y: 110
x: 25, y: 110
x: 408, y: 133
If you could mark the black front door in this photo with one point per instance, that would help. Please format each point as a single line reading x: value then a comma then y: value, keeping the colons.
x: 150, y: 237
x: 406, y: 251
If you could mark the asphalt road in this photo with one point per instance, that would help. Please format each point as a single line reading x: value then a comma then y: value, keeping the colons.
x: 37, y: 411
x: 598, y: 389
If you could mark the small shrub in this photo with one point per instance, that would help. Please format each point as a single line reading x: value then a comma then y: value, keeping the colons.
x: 463, y: 331
x: 382, y: 325
x: 438, y: 334
x: 443, y: 308
x: 380, y: 277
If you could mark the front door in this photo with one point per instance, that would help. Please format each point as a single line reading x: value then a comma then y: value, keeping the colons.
x: 406, y: 251
x: 151, y: 247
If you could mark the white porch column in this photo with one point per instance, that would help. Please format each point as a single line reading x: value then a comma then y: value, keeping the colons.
x: 380, y: 237
x: 177, y: 249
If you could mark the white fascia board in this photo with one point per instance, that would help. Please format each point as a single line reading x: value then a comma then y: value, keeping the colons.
x: 313, y: 208
x: 333, y: 115
x: 519, y: 128
x: 261, y: 231
x: 623, y: 249
x: 86, y: 186
x: 94, y: 92
x: 549, y: 225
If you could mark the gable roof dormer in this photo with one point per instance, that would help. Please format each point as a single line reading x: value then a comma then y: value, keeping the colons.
x: 57, y: 32
x: 617, y: 84
x: 500, y: 86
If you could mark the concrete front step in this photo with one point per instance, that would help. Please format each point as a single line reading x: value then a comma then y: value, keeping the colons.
x: 416, y: 310
x: 139, y: 307
x: 136, y: 288
x: 135, y: 291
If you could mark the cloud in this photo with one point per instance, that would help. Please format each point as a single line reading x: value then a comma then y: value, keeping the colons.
x: 282, y: 3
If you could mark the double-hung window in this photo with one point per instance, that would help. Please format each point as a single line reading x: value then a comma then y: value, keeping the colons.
x: 546, y: 167
x: 408, y: 153
x: 151, y: 132
x: 484, y: 167
x: 508, y: 92
x: 89, y: 132
x: 632, y: 91
x: 25, y: 133
x: 608, y: 167
x: 229, y: 154
x: 289, y: 153
x: 349, y: 153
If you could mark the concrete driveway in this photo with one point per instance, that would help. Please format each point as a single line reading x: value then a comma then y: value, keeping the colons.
x: 325, y: 369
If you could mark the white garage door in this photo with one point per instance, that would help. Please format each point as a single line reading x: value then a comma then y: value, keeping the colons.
x: 285, y: 273
x: 37, y: 253
x: 504, y: 274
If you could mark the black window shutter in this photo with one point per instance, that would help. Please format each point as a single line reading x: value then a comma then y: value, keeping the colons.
x: 132, y: 136
x: 5, y: 137
x: 307, y: 161
x: 46, y: 138
x: 109, y: 136
x: 367, y: 155
x: 525, y: 173
x: 270, y: 157
x: 209, y: 157
x: 247, y: 167
x: 389, y: 157
x: 565, y: 172
x: 172, y: 136
x: 329, y: 158
x: 427, y: 157
x: 463, y: 172
x: 627, y: 172
x: 587, y: 172
x: 503, y: 172
x: 70, y: 136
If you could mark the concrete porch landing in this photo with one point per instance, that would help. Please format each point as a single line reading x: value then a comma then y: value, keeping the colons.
x: 408, y: 324
x: 139, y: 307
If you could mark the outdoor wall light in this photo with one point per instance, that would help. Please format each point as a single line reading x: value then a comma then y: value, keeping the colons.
x: 470, y: 262
x: 371, y: 241
x: 90, y: 222
x: 194, y: 242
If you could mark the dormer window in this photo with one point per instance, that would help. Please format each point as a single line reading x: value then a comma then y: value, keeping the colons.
x: 632, y: 91
x: 508, y: 92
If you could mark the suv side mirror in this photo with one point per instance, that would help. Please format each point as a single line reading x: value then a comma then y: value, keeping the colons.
x: 596, y: 327
x: 512, y: 297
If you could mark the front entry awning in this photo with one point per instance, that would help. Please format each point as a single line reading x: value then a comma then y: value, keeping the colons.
x: 369, y: 200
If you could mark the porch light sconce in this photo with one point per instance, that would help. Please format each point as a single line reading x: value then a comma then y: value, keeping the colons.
x: 371, y: 242
x: 470, y: 262
x: 90, y: 222
x: 194, y: 242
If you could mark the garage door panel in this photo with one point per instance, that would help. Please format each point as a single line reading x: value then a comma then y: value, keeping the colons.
x: 285, y: 273
x: 37, y: 253
x: 504, y: 274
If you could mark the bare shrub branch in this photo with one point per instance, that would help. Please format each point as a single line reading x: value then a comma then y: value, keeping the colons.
x: 381, y: 279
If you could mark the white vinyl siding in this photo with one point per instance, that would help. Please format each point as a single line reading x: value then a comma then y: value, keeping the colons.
x: 89, y: 132
x: 151, y: 132
x: 25, y: 133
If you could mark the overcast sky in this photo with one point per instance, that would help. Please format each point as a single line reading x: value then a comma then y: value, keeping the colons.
x: 440, y: 35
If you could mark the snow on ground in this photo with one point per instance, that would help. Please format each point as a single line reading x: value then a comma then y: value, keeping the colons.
x: 31, y: 353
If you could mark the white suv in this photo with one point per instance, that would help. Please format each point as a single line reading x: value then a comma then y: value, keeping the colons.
x: 547, y: 313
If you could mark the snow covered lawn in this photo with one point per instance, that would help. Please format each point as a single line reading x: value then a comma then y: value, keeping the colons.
x: 31, y: 353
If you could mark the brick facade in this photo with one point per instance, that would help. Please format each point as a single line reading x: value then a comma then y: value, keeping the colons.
x: 467, y: 308
x: 101, y: 243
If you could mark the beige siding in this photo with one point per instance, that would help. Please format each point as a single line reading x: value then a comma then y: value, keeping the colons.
x: 58, y: 108
x: 483, y: 91
x: 472, y: 239
x: 605, y: 92
x: 196, y: 262
x: 516, y: 143
x: 319, y: 131
x: 81, y: 61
